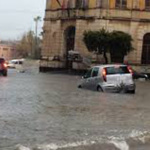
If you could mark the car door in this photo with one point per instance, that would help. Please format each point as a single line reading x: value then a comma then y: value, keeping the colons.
x: 118, y: 75
x: 95, y: 78
x: 125, y: 75
x: 86, y: 81
x: 111, y: 76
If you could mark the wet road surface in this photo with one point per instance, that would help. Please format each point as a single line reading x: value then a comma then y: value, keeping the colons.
x: 47, y: 111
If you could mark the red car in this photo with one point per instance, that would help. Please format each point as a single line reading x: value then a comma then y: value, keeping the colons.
x: 3, y: 67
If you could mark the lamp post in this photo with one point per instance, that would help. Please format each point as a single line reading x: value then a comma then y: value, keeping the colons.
x: 36, y: 19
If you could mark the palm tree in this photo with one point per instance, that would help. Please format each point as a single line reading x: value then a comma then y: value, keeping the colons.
x: 36, y: 19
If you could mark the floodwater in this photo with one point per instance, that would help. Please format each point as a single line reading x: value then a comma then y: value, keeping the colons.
x: 46, y: 111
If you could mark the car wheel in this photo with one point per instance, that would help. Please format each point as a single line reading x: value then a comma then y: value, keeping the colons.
x: 132, y: 91
x: 99, y: 89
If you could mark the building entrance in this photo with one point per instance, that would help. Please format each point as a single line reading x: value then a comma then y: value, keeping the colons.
x: 70, y: 42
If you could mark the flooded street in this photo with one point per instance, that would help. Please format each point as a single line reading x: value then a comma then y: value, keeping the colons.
x: 48, y: 112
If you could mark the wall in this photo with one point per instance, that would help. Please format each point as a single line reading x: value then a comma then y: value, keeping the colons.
x: 6, y: 52
x: 133, y: 20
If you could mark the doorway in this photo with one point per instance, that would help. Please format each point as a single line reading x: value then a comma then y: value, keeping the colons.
x: 70, y: 42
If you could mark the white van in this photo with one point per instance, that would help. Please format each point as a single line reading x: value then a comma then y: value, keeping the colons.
x: 112, y: 77
x: 15, y: 62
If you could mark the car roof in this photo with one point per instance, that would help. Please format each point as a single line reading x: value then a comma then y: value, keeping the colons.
x: 108, y: 65
x: 17, y: 60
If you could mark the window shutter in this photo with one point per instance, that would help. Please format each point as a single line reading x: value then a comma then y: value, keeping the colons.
x: 48, y: 4
x: 112, y: 3
x: 71, y: 3
x: 142, y: 4
x: 92, y: 3
x: 98, y: 3
x: 84, y: 3
x: 129, y: 4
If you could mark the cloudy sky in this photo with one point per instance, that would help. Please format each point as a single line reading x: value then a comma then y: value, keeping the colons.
x: 17, y: 17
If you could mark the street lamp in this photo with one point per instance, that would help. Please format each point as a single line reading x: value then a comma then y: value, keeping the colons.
x: 36, y: 19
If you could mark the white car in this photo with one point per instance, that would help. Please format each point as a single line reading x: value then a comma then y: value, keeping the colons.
x: 15, y: 62
x: 112, y: 77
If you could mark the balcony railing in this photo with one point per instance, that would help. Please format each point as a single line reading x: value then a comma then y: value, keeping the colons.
x: 70, y: 14
x: 91, y: 14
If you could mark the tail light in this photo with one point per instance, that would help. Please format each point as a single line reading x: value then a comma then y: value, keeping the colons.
x: 104, y: 74
x: 130, y: 70
x: 5, y: 65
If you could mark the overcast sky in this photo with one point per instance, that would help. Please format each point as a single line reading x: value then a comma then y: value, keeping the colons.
x: 17, y: 17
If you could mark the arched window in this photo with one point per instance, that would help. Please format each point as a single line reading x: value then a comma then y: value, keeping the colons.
x: 147, y: 4
x: 122, y: 4
x: 70, y: 43
x: 146, y: 49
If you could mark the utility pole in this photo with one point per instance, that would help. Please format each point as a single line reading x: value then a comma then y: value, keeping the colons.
x: 36, y: 19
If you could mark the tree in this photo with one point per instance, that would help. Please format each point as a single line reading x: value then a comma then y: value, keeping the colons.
x: 97, y: 41
x: 120, y: 45
x: 36, y: 46
x: 26, y: 46
x: 90, y: 40
x: 103, y: 37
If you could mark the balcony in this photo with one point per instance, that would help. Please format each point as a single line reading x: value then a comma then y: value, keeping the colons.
x: 91, y: 14
x: 70, y: 14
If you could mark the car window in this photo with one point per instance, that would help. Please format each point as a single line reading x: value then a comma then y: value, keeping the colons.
x: 110, y: 70
x: 117, y: 70
x: 88, y: 74
x: 122, y: 69
x: 20, y: 62
x: 95, y: 72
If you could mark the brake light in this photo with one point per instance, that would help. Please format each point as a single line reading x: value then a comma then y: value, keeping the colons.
x: 104, y: 74
x: 130, y: 69
x: 5, y: 65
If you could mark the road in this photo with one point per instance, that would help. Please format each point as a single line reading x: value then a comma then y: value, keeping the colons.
x: 46, y: 111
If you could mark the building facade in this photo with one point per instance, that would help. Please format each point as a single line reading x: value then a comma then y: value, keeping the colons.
x: 6, y: 51
x: 66, y: 21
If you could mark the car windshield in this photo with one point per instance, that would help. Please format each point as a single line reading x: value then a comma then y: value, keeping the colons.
x: 117, y: 70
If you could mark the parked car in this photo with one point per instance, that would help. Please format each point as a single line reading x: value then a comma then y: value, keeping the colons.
x: 112, y: 77
x: 3, y: 67
x: 15, y: 62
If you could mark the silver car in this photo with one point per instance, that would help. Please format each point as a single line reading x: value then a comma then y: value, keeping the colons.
x: 112, y: 77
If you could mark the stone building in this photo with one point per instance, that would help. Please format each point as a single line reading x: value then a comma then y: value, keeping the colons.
x: 6, y: 51
x: 66, y: 20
